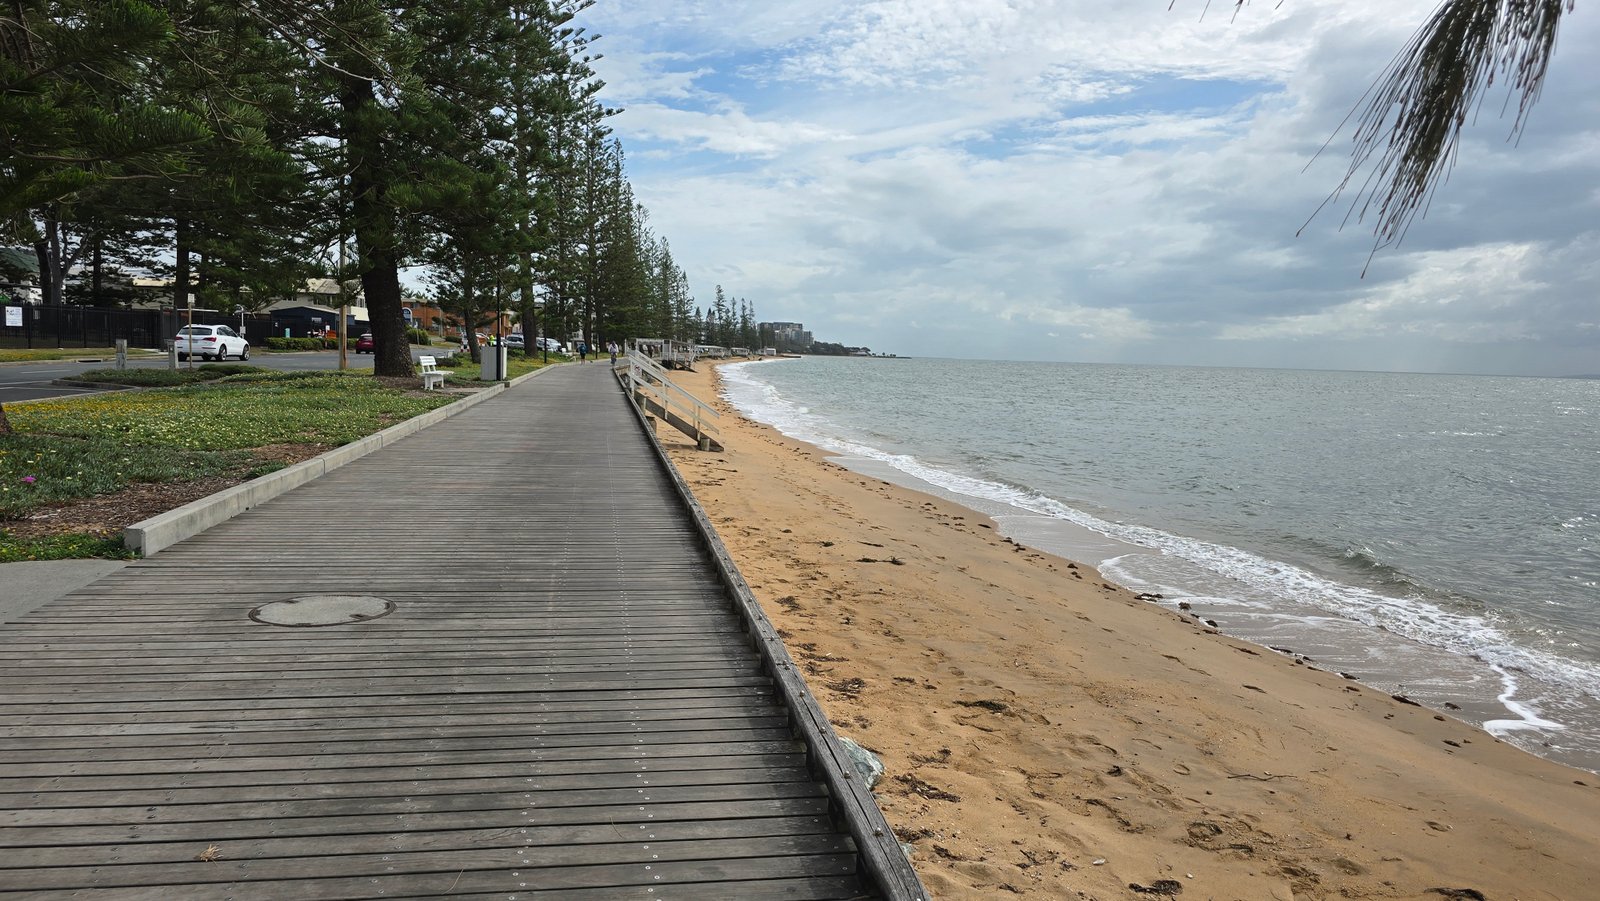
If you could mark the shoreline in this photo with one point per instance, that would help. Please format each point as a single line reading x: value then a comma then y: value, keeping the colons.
x: 1483, y: 695
x: 1047, y: 733
x: 1427, y: 644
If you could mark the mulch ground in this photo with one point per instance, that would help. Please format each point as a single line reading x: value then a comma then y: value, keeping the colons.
x: 108, y: 514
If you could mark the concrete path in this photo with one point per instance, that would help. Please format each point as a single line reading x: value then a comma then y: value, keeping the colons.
x: 29, y: 585
x: 491, y: 660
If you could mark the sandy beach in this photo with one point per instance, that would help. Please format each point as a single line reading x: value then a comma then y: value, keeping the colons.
x: 1049, y: 735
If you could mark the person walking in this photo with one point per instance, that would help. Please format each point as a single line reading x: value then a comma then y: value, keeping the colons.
x: 612, y: 346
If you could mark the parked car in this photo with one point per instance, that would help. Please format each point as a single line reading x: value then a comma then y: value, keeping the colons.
x: 516, y: 340
x: 553, y: 345
x: 211, y: 342
x: 364, y: 344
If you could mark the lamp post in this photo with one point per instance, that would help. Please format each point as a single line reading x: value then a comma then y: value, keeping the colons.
x: 544, y: 349
x: 188, y: 330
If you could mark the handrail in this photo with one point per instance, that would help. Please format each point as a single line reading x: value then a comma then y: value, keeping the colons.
x: 640, y: 363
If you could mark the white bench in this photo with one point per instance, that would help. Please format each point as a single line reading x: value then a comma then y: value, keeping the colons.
x: 432, y: 376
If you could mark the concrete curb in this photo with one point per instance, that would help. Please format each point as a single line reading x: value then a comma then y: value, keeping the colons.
x: 163, y: 530
x: 92, y: 386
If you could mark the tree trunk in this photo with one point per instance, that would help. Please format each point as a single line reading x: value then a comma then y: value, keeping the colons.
x: 469, y: 313
x: 58, y: 266
x: 41, y: 251
x: 374, y: 225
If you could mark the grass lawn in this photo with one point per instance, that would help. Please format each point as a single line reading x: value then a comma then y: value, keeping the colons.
x: 233, y: 426
x: 23, y: 355
x: 465, y: 370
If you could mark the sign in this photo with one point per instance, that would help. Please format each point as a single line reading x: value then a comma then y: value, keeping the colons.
x: 405, y: 313
x: 13, y: 317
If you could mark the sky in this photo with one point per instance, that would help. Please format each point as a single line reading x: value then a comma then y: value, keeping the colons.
x: 1098, y: 181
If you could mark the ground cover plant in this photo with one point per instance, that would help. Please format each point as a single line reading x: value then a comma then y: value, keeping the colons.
x: 237, y: 411
x: 71, y: 546
x: 164, y: 378
x: 28, y: 355
x: 75, y: 471
x: 37, y: 470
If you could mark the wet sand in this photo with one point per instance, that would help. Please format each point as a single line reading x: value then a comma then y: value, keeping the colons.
x: 1048, y: 735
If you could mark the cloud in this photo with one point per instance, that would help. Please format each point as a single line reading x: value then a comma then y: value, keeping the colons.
x: 728, y: 130
x: 1090, y: 323
x: 964, y: 177
x: 1463, y: 295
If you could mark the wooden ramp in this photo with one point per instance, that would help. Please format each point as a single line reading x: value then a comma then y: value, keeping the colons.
x: 568, y: 699
x: 655, y: 393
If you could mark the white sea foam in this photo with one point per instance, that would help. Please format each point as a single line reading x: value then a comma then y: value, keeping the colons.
x: 1527, y: 718
x: 1413, y: 617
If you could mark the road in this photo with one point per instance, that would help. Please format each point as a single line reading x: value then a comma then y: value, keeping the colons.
x: 32, y: 381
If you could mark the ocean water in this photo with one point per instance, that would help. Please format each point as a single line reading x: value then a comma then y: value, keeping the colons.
x: 1436, y: 536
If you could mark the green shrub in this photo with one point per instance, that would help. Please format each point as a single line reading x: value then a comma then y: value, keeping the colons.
x: 296, y: 344
x: 165, y: 378
x: 418, y: 336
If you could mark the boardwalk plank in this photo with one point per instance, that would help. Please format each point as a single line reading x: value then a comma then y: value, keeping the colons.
x: 760, y: 823
x: 359, y: 784
x: 243, y: 749
x: 20, y: 791
x: 94, y: 840
x: 504, y: 881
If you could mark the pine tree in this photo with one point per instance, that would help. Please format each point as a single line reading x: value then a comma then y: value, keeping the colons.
x: 74, y: 113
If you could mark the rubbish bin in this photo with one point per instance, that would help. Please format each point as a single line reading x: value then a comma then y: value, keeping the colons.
x: 494, y: 363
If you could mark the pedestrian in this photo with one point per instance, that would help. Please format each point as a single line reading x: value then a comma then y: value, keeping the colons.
x: 612, y: 346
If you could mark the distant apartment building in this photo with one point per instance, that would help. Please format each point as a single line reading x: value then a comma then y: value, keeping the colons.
x: 788, y: 335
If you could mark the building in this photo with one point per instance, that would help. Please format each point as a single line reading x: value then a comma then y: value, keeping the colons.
x: 312, y: 311
x: 788, y: 335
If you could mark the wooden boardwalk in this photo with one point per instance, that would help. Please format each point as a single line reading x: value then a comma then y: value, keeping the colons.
x: 567, y: 700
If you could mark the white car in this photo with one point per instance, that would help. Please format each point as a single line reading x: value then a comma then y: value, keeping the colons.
x: 552, y: 345
x: 210, y: 342
x: 515, y: 339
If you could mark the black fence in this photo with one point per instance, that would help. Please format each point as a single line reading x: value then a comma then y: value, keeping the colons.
x: 39, y: 326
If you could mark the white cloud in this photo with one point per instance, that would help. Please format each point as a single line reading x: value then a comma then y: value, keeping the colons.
x: 1460, y: 295
x: 1127, y: 178
x: 1090, y: 323
x: 728, y: 130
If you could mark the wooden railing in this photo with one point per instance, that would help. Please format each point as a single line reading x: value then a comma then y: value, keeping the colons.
x: 647, y: 381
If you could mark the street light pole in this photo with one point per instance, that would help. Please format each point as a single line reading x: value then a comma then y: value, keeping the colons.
x: 544, y: 349
x: 344, y: 310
